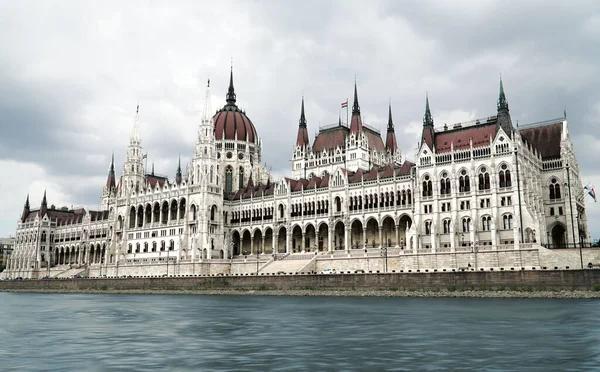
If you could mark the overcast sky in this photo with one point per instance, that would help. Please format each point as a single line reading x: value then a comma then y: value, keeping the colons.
x: 72, y: 73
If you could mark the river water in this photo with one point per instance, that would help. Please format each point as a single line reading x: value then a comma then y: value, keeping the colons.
x: 77, y: 332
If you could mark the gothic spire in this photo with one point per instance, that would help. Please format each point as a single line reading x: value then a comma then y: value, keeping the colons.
x: 25, y: 209
x: 427, y: 119
x: 110, y: 181
x: 390, y: 127
x: 302, y: 138
x: 178, y: 174
x: 356, y: 121
x: 302, y: 117
x: 231, y: 91
x: 355, y: 106
x: 44, y: 206
x: 207, y: 103
x: 135, y: 135
x: 502, y: 102
x: 390, y: 141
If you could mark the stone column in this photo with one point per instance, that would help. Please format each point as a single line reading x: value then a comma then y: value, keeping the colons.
x: 287, y: 241
x: 364, y: 237
x: 303, y: 241
x: 262, y: 244
x: 397, y: 235
x: 346, y: 229
x: 329, y: 237
x: 380, y: 236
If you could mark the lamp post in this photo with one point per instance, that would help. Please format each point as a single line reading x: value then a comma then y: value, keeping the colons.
x: 257, y: 254
x: 384, y: 253
x: 474, y: 250
x: 168, y: 251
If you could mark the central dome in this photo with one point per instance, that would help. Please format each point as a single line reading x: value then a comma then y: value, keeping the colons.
x: 231, y: 123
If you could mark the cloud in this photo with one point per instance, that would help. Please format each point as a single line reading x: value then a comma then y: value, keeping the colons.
x: 73, y: 72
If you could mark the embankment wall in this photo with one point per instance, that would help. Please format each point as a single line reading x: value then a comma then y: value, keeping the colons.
x: 522, y: 279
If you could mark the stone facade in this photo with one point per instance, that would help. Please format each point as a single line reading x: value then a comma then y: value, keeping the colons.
x: 480, y: 189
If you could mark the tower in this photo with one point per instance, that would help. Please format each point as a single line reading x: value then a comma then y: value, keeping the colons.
x: 300, y: 152
x: 133, y: 169
x: 504, y: 120
x: 391, y: 145
x: 428, y: 136
x: 205, y: 235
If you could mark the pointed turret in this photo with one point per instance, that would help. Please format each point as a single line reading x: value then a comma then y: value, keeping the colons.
x: 356, y: 122
x: 504, y: 120
x: 302, y: 138
x: 502, y: 102
x: 250, y: 184
x: 135, y: 134
x: 390, y: 141
x: 207, y: 102
x: 178, y: 174
x: 110, y: 181
x: 25, y: 210
x: 44, y: 206
x: 427, y: 119
x: 428, y: 135
x: 231, y: 91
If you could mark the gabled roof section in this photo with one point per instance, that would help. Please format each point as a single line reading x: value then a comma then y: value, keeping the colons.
x: 460, y: 138
x: 153, y: 180
x: 545, y: 138
x: 375, y: 141
x: 330, y: 138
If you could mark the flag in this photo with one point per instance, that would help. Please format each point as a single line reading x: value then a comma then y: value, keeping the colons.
x: 591, y: 192
x: 345, y: 104
x: 145, y: 156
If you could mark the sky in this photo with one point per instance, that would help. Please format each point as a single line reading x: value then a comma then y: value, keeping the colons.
x: 73, y: 72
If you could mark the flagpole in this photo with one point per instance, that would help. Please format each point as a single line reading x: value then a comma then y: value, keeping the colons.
x: 347, y: 120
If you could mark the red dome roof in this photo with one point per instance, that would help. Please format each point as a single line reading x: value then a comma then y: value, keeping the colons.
x: 231, y: 123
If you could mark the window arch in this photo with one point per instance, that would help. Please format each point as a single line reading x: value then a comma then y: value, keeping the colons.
x: 466, y: 224
x: 145, y: 246
x: 486, y: 223
x: 153, y: 246
x: 464, y: 184
x: 484, y: 179
x: 130, y: 248
x: 427, y: 186
x: 241, y: 178
x: 445, y: 184
x: 428, y: 227
x: 507, y: 221
x: 137, y: 247
x: 229, y: 179
x: 554, y: 189
x: 162, y: 245
x: 504, y: 176
x: 171, y: 245
x: 446, y: 224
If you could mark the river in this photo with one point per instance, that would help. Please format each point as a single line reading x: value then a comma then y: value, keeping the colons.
x: 79, y: 332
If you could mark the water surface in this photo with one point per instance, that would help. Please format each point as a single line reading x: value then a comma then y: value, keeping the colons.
x: 77, y: 332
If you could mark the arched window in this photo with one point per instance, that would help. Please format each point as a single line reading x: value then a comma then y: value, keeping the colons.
x: 211, y: 174
x: 466, y: 224
x: 145, y: 246
x: 554, y: 189
x: 162, y: 245
x: 130, y: 248
x: 172, y: 245
x: 484, y: 179
x: 228, y: 180
x: 427, y: 186
x: 153, y: 246
x: 485, y: 223
x: 241, y: 178
x: 213, y: 210
x: 137, y: 247
x: 507, y: 220
x: 464, y: 184
x: 445, y: 184
x: 504, y: 176
x: 446, y: 224
x: 427, y: 227
x: 338, y: 204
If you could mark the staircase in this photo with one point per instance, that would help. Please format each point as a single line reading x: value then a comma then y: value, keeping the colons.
x: 291, y: 264
x: 70, y: 272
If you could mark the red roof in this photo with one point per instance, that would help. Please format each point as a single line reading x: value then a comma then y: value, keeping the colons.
x: 356, y: 124
x: 546, y: 139
x: 330, y: 139
x: 152, y: 180
x: 481, y: 135
x: 375, y: 141
x: 231, y: 123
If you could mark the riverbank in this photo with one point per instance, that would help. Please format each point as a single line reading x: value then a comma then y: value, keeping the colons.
x: 448, y: 293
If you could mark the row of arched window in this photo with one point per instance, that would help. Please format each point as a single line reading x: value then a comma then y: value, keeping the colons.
x: 258, y: 214
x: 384, y: 199
x: 486, y: 223
x: 139, y: 248
x: 464, y: 184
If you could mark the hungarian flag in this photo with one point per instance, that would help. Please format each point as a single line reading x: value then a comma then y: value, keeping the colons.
x: 145, y: 156
x: 591, y: 192
x: 345, y: 104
